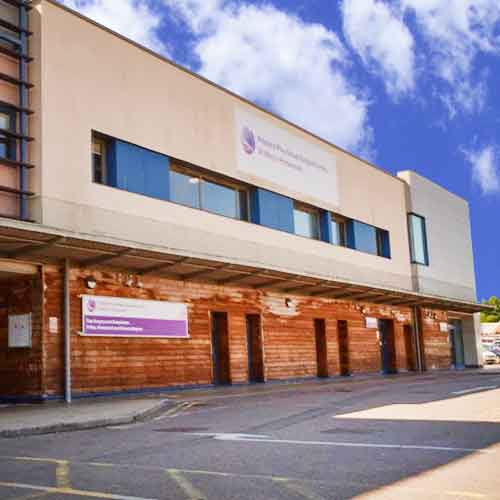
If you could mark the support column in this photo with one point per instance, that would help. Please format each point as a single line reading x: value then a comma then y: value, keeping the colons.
x: 418, y: 338
x: 471, y: 332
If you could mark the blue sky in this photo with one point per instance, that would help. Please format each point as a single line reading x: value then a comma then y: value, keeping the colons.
x: 407, y: 84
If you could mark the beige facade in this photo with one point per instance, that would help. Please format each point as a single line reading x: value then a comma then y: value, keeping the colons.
x: 262, y: 302
x: 88, y: 78
x: 451, y: 262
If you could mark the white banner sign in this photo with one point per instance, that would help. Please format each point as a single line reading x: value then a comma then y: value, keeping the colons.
x: 271, y: 153
x: 117, y: 317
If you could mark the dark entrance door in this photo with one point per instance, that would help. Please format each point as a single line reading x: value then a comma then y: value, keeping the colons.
x: 220, y: 349
x: 457, y: 344
x: 321, y: 350
x: 254, y: 347
x: 411, y: 363
x: 343, y: 336
x: 387, y: 346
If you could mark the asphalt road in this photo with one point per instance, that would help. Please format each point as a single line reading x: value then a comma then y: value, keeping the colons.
x: 428, y: 437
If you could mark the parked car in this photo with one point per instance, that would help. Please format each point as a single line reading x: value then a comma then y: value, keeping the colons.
x: 489, y: 358
x: 495, y: 349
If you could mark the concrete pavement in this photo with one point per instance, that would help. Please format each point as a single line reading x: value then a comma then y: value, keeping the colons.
x: 89, y: 413
x: 24, y: 420
x: 411, y: 437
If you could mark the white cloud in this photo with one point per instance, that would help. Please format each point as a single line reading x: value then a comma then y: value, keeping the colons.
x: 485, y: 170
x: 456, y: 32
x: 381, y: 38
x: 294, y: 68
x: 131, y: 18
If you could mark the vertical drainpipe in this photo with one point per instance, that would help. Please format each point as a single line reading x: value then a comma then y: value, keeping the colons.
x: 416, y: 336
x: 23, y: 103
x: 67, y: 333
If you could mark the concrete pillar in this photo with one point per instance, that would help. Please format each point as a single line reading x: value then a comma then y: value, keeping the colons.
x: 471, y: 329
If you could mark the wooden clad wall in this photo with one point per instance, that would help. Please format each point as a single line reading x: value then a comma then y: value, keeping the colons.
x: 436, y: 343
x: 105, y: 364
x: 21, y: 368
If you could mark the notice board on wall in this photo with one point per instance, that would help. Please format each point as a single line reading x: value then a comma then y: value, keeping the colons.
x: 20, y: 330
x: 119, y: 317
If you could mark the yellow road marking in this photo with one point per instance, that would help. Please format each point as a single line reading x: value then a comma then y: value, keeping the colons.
x: 185, y: 485
x: 183, y: 472
x: 32, y: 496
x: 174, y: 412
x: 298, y: 487
x: 71, y: 491
x: 36, y: 459
x: 62, y: 475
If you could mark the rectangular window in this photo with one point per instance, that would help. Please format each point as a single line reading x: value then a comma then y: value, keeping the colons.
x: 192, y: 189
x: 99, y: 163
x: 306, y: 222
x: 185, y: 189
x: 219, y: 199
x: 365, y: 237
x: 384, y: 244
x: 418, y: 240
x: 338, y: 231
x: 7, y: 122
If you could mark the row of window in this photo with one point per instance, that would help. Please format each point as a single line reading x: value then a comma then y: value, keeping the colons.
x: 206, y: 191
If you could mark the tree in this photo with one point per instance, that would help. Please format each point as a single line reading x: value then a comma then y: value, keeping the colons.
x: 491, y: 316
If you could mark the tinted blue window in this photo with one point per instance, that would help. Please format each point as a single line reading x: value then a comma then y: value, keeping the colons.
x: 138, y: 170
x: 325, y: 226
x: 219, y: 199
x: 223, y: 200
x: 7, y: 122
x: 365, y: 237
x: 185, y: 189
x: 272, y: 210
x: 385, y: 244
x: 418, y: 240
x: 338, y: 229
x: 306, y: 223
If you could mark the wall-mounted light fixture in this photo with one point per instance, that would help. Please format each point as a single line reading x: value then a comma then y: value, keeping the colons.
x: 90, y: 282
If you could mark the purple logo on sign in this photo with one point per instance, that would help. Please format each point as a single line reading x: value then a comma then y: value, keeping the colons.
x: 248, y: 141
x: 91, y: 305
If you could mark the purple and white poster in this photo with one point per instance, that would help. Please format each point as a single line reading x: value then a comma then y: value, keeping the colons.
x: 117, y: 317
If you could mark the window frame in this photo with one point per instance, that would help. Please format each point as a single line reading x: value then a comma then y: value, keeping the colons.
x: 380, y: 243
x: 10, y: 143
x: 412, y: 240
x: 341, y: 223
x: 105, y: 141
x: 180, y: 168
x: 303, y: 207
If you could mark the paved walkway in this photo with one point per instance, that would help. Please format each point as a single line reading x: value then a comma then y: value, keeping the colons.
x: 23, y: 420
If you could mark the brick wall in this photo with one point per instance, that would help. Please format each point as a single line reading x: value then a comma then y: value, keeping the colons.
x: 113, y: 364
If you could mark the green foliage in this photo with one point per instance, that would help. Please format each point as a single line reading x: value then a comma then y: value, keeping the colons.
x: 491, y: 316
